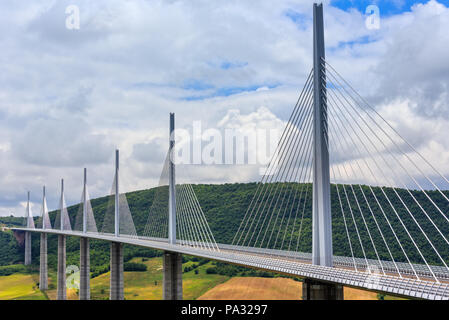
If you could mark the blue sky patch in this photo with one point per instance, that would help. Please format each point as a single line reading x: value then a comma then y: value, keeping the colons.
x: 228, y: 91
x: 195, y: 84
x: 225, y: 65
x: 302, y: 21
x: 386, y: 7
x: 351, y: 43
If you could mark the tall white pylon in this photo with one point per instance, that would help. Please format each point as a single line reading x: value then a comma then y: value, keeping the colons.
x: 85, y: 221
x: 61, y: 206
x: 30, y: 221
x: 46, y: 224
x: 85, y: 202
x: 171, y: 181
x: 64, y: 219
x: 117, y: 195
x: 322, y: 220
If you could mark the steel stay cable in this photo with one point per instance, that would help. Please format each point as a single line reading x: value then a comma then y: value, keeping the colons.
x: 204, y: 218
x: 199, y: 218
x: 295, y: 109
x: 344, y: 218
x: 361, y: 213
x: 369, y: 206
x: 394, y: 130
x: 400, y: 150
x: 394, y: 190
x: 287, y: 158
x: 375, y: 196
x: 200, y: 233
x: 267, y: 185
x: 259, y: 213
x: 296, y: 178
x: 386, y: 197
x: 302, y: 145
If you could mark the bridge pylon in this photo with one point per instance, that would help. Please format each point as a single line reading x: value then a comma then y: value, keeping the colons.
x: 322, y: 253
x: 172, y: 262
x: 84, y: 293
x: 116, y: 249
x: 172, y: 181
x: 43, y: 263
x: 30, y: 224
x: 322, y: 220
x: 117, y: 197
x: 62, y: 239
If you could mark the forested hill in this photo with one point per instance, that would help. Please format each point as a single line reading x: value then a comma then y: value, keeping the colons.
x: 225, y: 206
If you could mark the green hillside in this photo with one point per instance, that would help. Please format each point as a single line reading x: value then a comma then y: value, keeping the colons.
x: 225, y: 205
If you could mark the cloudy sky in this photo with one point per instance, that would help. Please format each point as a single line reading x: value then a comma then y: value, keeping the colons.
x: 69, y: 97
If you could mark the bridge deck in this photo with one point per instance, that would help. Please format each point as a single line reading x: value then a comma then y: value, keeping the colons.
x: 286, y: 264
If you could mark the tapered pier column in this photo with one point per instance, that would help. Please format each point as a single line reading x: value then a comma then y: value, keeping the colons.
x: 62, y: 290
x: 43, y: 269
x: 84, y: 250
x: 116, y: 265
x: 315, y: 290
x: 172, y: 276
x: 172, y: 263
x: 30, y: 224
x: 172, y: 185
x: 27, y: 248
x: 84, y: 293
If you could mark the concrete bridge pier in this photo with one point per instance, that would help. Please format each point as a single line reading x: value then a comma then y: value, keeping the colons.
x: 84, y: 293
x: 27, y: 248
x: 43, y: 269
x: 116, y: 265
x: 62, y: 290
x: 172, y: 285
x: 316, y: 290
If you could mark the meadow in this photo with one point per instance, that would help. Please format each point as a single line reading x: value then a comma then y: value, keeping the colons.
x: 147, y: 285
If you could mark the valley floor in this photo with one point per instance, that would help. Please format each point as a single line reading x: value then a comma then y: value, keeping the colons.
x: 148, y: 286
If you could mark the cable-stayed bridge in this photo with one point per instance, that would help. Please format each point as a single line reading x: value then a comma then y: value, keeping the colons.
x: 342, y: 180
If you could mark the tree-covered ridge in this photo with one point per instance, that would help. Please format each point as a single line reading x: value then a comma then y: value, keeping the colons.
x: 225, y: 206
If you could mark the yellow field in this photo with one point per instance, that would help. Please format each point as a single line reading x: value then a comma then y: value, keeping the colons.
x: 252, y: 288
x: 19, y: 286
x: 148, y: 286
x: 270, y: 289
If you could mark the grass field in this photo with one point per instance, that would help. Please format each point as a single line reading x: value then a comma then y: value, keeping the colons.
x: 148, y: 286
x: 252, y: 288
x: 20, y: 287
x: 249, y: 288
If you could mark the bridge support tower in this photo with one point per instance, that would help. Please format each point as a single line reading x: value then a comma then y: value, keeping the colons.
x: 30, y: 224
x: 62, y: 290
x: 84, y: 250
x: 43, y: 268
x: 27, y: 248
x: 322, y: 253
x: 116, y: 263
x: 172, y: 261
x: 172, y: 276
x: 84, y: 293
x: 316, y: 290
